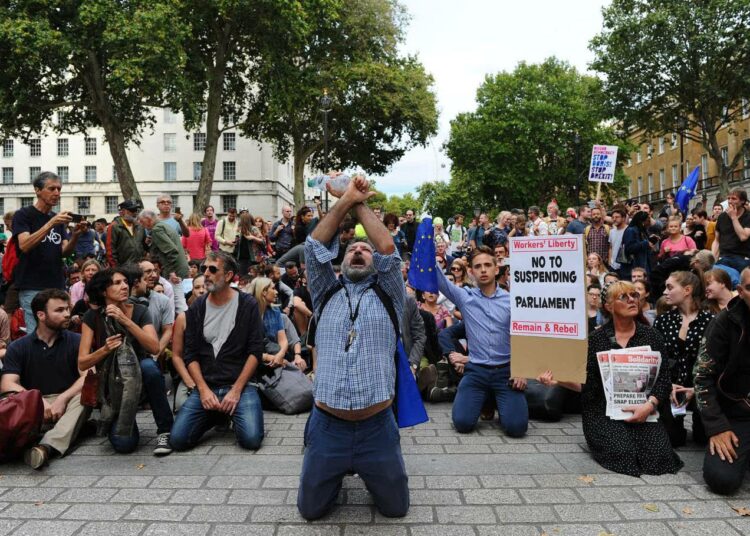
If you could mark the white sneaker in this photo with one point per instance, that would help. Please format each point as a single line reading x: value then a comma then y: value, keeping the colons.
x: 162, y: 445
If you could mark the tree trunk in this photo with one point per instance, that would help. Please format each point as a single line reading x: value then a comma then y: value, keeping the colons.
x: 712, y: 146
x: 117, y: 149
x: 299, y: 175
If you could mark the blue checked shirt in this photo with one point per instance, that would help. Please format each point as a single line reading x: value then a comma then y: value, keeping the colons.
x: 487, y: 321
x: 366, y: 374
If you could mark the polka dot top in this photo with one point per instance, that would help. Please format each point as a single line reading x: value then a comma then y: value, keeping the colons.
x: 683, y: 352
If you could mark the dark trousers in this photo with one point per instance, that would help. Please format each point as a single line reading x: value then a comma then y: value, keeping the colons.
x: 675, y: 426
x: 723, y: 477
x: 734, y: 261
x: 479, y: 384
x: 449, y: 338
x: 335, y: 447
x: 156, y: 394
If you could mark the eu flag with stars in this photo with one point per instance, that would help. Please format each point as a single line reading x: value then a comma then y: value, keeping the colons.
x: 687, y: 190
x: 422, y: 274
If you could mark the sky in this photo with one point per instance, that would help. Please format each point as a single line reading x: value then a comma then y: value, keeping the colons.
x: 461, y: 41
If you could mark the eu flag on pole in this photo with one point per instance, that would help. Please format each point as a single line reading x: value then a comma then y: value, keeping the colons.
x: 687, y: 190
x: 422, y: 274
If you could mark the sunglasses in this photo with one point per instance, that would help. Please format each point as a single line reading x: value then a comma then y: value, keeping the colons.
x: 624, y: 298
x: 212, y: 269
x: 441, y: 262
x: 746, y: 287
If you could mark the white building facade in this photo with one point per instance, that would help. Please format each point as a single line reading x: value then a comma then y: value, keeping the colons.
x: 168, y: 160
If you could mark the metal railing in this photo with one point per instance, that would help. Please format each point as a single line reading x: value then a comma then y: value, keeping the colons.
x: 737, y: 176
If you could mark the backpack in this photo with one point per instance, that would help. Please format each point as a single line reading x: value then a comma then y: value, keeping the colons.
x: 10, y: 259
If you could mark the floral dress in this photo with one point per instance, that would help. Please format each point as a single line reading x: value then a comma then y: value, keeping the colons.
x: 628, y: 448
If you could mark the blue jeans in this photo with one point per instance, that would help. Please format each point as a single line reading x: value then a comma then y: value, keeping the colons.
x: 24, y: 299
x: 193, y: 421
x: 335, y: 447
x: 737, y: 262
x: 124, y: 444
x: 156, y: 393
x: 478, y: 385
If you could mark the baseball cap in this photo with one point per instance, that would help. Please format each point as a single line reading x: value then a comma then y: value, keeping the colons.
x: 129, y: 204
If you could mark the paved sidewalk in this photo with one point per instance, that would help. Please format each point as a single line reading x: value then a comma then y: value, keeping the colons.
x: 481, y: 484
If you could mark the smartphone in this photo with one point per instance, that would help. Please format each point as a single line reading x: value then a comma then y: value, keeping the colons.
x: 316, y: 198
x: 681, y: 399
x: 177, y: 210
x: 76, y: 218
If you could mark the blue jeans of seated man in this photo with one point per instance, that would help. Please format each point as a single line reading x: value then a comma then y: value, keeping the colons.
x: 24, y: 300
x: 478, y: 385
x: 124, y: 444
x: 737, y: 262
x: 193, y: 421
x: 335, y: 447
x: 156, y: 393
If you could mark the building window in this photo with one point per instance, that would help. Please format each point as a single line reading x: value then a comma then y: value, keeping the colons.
x: 704, y: 166
x: 746, y: 159
x: 90, y: 146
x: 83, y: 204
x: 630, y: 162
x: 2, y: 206
x: 649, y: 151
x: 638, y: 156
x: 640, y: 186
x: 230, y: 171
x: 687, y: 168
x: 197, y: 170
x: 170, y: 118
x: 725, y: 155
x: 35, y: 147
x: 230, y: 141
x: 650, y: 183
x: 7, y: 175
x: 227, y: 202
x: 170, y: 171
x: 110, y: 204
x: 170, y: 142
x: 114, y: 174
x: 199, y: 141
x: 33, y: 172
x: 64, y: 173
x: 7, y: 148
x: 89, y: 173
x: 675, y: 141
x: 61, y: 119
x: 27, y: 201
x: 62, y: 147
x: 675, y: 174
x: 662, y: 180
x: 661, y: 144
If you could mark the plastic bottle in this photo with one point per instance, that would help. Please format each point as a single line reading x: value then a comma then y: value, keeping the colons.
x: 339, y: 182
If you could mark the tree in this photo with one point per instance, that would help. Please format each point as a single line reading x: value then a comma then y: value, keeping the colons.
x: 398, y: 204
x: 668, y: 61
x: 227, y: 49
x: 382, y: 103
x: 103, y: 63
x: 446, y: 199
x: 518, y: 148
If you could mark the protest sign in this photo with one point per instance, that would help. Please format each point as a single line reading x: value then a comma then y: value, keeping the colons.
x: 628, y: 376
x: 603, y: 163
x: 548, y: 321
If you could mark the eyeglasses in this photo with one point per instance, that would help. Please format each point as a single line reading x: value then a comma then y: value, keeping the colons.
x: 455, y: 268
x: 213, y: 269
x: 165, y: 202
x: 595, y: 294
x: 624, y: 298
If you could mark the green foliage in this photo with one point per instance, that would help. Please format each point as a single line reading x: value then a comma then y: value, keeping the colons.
x: 447, y: 198
x: 399, y: 204
x: 667, y: 60
x: 518, y: 148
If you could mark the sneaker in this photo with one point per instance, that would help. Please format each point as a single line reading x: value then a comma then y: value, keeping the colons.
x: 36, y: 457
x: 427, y: 379
x: 442, y: 394
x: 162, y: 445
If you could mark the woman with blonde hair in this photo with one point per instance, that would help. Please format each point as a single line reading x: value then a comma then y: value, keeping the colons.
x: 88, y: 269
x: 460, y: 273
x: 676, y: 242
x: 198, y: 244
x: 264, y: 291
x: 595, y: 267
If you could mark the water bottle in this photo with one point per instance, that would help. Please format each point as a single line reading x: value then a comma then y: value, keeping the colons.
x: 339, y: 182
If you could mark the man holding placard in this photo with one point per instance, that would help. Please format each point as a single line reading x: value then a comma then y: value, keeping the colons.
x: 486, y: 315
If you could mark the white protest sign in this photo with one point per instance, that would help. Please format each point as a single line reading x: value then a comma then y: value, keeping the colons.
x: 548, y: 287
x: 603, y: 162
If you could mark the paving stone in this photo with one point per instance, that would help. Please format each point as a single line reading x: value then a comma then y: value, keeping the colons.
x: 48, y: 528
x: 572, y: 530
x: 275, y: 514
x: 422, y: 449
x: 352, y: 514
x: 308, y: 530
x: 608, y: 494
x: 432, y: 496
x: 482, y: 464
x: 244, y: 530
x: 232, y: 514
x: 491, y: 496
x: 419, y: 515
x: 507, y: 530
x: 199, y: 496
x: 704, y: 509
x: 442, y: 530
x: 452, y: 482
x: 30, y: 494
x: 68, y: 482
x: 21, y: 481
x: 701, y: 528
x: 703, y: 492
x: 547, y: 496
x: 427, y: 440
x: 7, y: 525
x: 158, y: 512
x: 587, y: 512
x: 85, y: 495
x: 96, y: 512
x: 357, y: 496
x: 238, y: 482
x: 259, y: 496
x: 519, y: 448
x: 124, y: 482
x: 640, y: 529
x: 144, y: 496
x: 353, y: 482
x: 177, y: 529
x: 475, y: 515
x: 678, y: 478
x: 639, y: 511
x: 663, y: 493
x: 507, y: 481
x: 468, y: 449
x: 561, y: 447
x: 34, y: 510
x: 106, y: 528
x: 529, y: 514
x: 178, y: 482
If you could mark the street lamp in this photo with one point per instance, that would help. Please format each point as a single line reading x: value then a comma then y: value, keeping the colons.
x: 325, y: 107
x: 682, y: 125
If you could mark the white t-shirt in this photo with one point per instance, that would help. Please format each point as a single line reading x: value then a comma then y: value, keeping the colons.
x: 457, y: 234
x: 615, y: 240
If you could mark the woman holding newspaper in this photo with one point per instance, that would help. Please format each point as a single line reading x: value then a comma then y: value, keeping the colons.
x: 625, y: 438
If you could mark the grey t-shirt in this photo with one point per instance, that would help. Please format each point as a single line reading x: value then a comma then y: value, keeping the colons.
x: 219, y: 322
x: 162, y: 311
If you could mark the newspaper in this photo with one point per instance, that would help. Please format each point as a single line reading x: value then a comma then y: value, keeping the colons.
x: 628, y: 376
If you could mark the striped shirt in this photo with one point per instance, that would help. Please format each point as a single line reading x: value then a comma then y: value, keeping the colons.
x: 364, y: 375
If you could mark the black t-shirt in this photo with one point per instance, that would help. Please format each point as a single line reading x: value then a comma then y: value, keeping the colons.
x: 42, y: 267
x: 141, y: 317
x: 729, y: 242
x: 303, y: 294
x: 51, y: 369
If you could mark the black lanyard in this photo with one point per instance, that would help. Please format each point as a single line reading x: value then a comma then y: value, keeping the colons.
x: 353, y: 314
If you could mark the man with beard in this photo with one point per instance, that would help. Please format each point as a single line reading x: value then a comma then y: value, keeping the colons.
x: 223, y: 346
x: 124, y: 237
x: 352, y: 428
x: 597, y: 236
x: 47, y: 359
